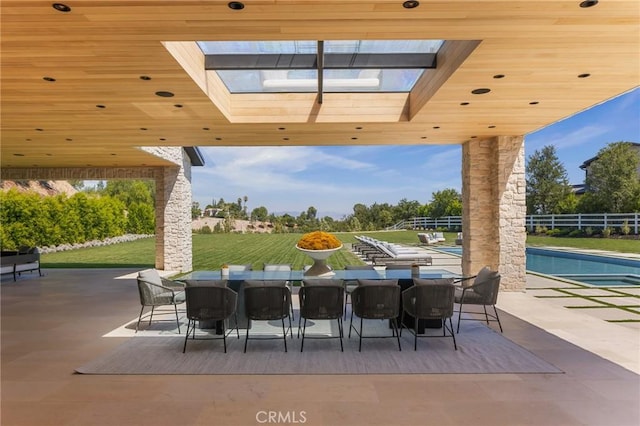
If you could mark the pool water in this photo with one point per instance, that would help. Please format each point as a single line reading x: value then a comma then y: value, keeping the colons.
x: 585, y: 268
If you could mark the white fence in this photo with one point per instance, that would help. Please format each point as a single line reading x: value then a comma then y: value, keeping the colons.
x: 550, y: 221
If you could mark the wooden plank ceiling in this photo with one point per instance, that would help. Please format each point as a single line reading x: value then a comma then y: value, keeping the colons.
x: 99, y: 110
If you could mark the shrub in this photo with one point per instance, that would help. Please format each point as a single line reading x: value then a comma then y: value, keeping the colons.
x: 206, y: 229
x: 575, y: 233
x: 606, y: 232
x: 625, y: 229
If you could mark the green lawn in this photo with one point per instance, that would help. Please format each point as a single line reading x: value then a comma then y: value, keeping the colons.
x: 211, y: 251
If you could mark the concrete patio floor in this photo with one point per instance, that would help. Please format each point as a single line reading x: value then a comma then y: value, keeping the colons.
x: 52, y: 324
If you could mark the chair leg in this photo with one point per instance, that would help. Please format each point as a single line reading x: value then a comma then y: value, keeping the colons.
x: 459, y: 316
x: 299, y: 321
x: 453, y: 335
x: 186, y: 337
x: 139, y: 318
x: 394, y: 322
x: 360, y: 345
x: 350, y: 324
x: 486, y: 315
x: 224, y: 341
x: 246, y: 339
x: 151, y: 316
x: 237, y: 326
x: 340, y: 333
x: 415, y: 333
x: 177, y: 319
x: 303, y: 331
x: 401, y: 322
x: 284, y: 332
x: 497, y: 317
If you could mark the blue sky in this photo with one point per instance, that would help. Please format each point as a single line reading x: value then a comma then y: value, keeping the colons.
x: 333, y: 179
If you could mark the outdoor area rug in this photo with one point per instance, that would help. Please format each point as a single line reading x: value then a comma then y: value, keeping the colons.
x: 481, y: 350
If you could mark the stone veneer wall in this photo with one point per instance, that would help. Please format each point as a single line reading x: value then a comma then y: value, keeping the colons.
x: 493, y: 199
x: 173, y: 210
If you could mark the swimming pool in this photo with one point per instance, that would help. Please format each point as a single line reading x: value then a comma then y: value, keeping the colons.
x: 585, y: 268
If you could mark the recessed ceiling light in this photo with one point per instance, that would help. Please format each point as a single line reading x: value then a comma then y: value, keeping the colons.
x: 436, y: 127
x: 39, y: 129
x: 178, y: 105
x: 218, y: 139
x: 464, y: 103
x: 68, y: 139
x: 61, y: 7
x: 354, y: 139
x: 534, y: 103
x: 145, y: 77
x: 48, y: 79
x: 282, y: 128
x: 163, y: 139
x: 473, y: 137
x: 143, y: 128
x: 235, y: 5
x: 585, y: 75
x: 358, y: 128
x: 164, y: 94
x: 19, y: 155
x: 480, y: 91
x: 100, y: 106
x: 491, y: 127
x: 423, y: 137
x: 498, y: 76
x: 588, y: 3
x: 28, y: 140
x: 113, y: 153
x: 285, y: 139
x: 410, y: 4
x: 205, y: 128
x: 48, y: 155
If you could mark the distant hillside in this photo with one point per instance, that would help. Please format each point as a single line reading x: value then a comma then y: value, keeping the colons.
x: 43, y: 187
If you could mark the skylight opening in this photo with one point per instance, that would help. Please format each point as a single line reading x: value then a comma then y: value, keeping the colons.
x: 345, y: 65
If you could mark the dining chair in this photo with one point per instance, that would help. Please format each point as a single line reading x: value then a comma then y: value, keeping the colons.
x: 350, y: 285
x: 210, y: 303
x: 281, y: 267
x: 429, y: 299
x: 321, y: 299
x: 267, y: 301
x: 483, y: 292
x: 155, y: 294
x: 376, y: 299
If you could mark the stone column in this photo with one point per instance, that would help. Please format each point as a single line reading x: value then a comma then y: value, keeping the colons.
x: 173, y: 211
x: 493, y: 208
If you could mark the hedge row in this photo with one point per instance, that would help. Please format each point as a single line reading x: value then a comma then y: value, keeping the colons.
x: 33, y: 220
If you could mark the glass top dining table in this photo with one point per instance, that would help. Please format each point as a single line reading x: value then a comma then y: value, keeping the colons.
x: 298, y: 275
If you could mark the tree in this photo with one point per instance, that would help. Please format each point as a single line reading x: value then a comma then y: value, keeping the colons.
x: 447, y: 202
x: 259, y: 213
x: 547, y: 183
x: 612, y: 182
x: 406, y: 210
x: 196, y: 212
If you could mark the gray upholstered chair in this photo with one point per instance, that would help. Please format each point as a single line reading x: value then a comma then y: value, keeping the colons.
x: 350, y: 285
x: 156, y: 292
x: 267, y: 301
x: 430, y: 300
x: 483, y: 292
x: 210, y: 303
x: 321, y: 299
x: 376, y: 299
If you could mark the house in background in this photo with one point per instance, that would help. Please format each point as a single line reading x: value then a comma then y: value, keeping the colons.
x: 586, y: 166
